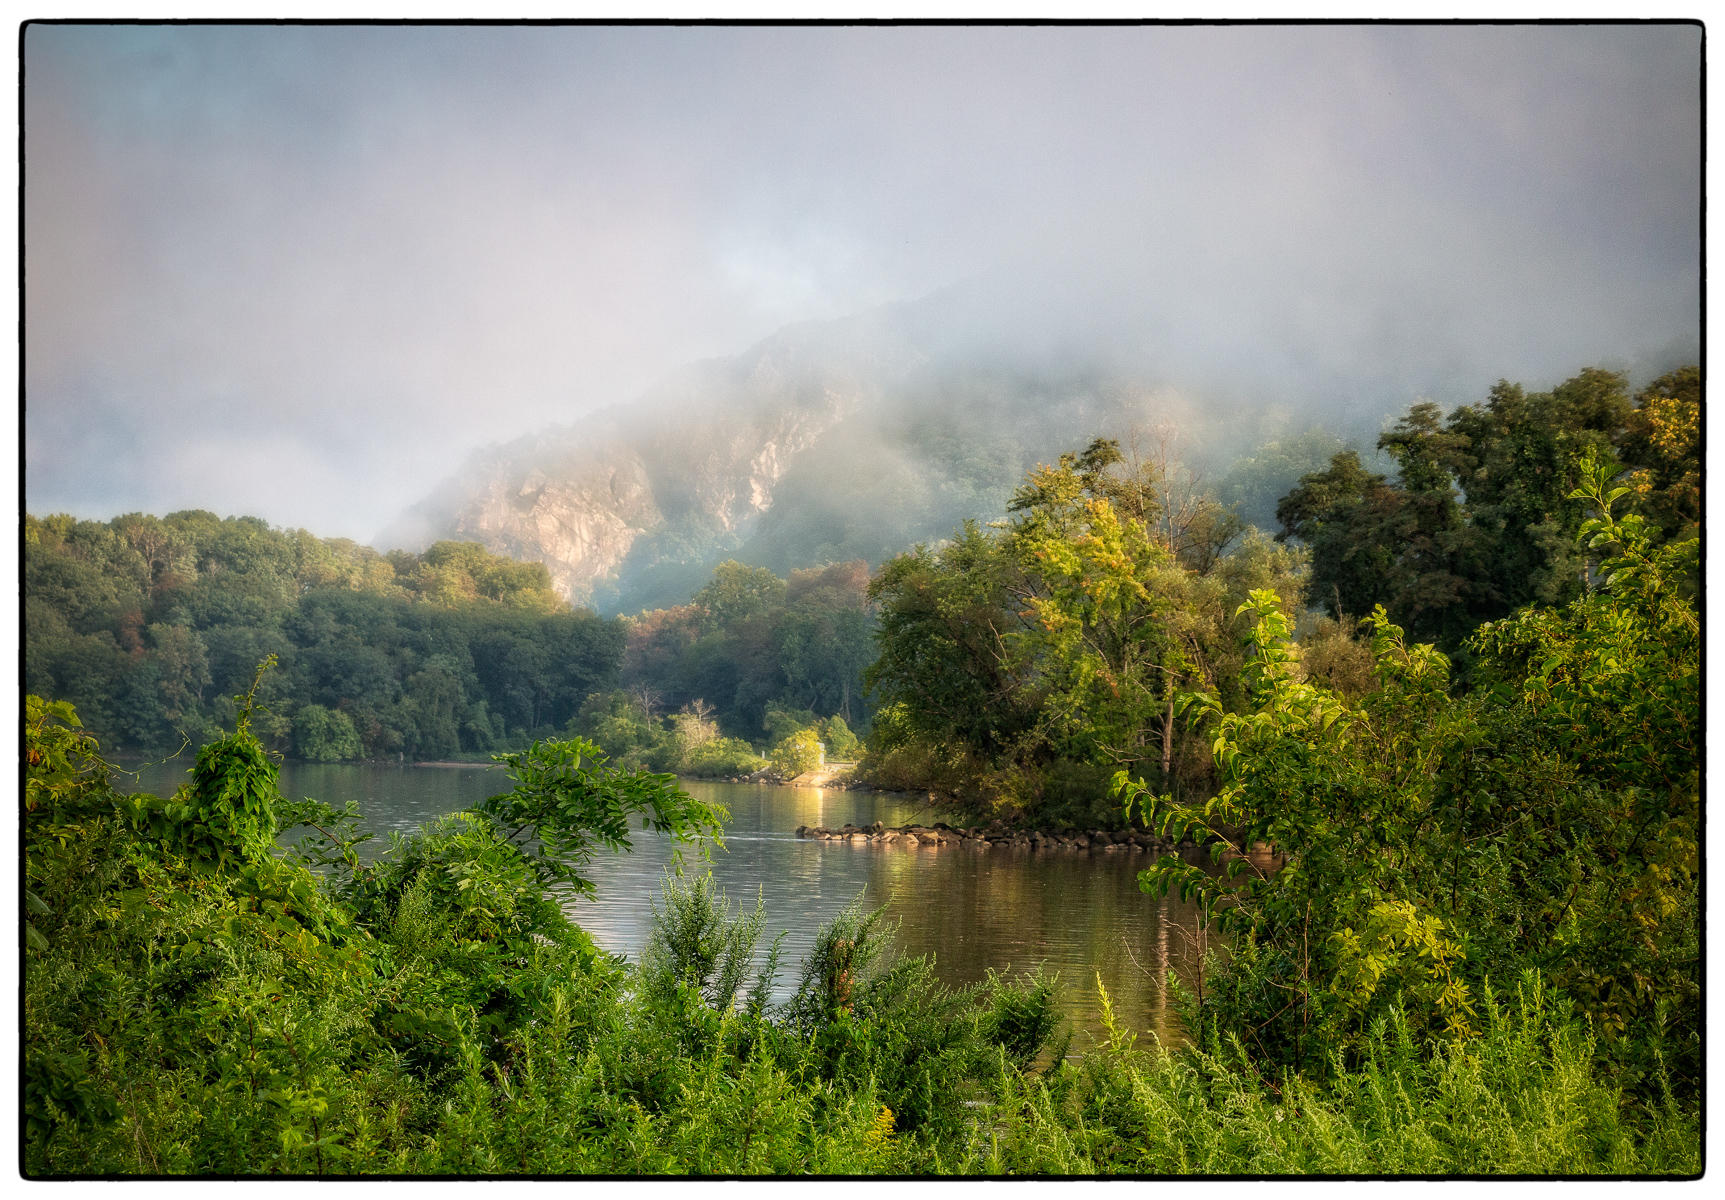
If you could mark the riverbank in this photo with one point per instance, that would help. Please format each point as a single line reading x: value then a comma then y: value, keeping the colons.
x: 1095, y: 841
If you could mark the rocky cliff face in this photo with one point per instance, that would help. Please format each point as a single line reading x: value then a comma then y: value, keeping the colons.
x: 860, y: 437
x: 579, y: 521
x: 687, y: 469
x: 826, y: 442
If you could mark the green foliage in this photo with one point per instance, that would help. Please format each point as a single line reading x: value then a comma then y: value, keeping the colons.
x: 696, y: 943
x: 1528, y: 1097
x: 434, y: 1012
x: 1612, y: 685
x: 751, y: 644
x: 798, y: 754
x: 571, y: 801
x: 687, y: 742
x: 148, y: 624
x: 950, y: 659
x: 1476, y: 524
x: 62, y: 767
x: 1662, y: 445
x: 216, y: 983
x: 899, y: 759
x: 324, y: 837
x: 227, y: 812
x: 847, y: 954
x: 1424, y: 844
x: 1057, y: 643
x: 465, y: 572
x: 322, y: 735
x: 1021, y: 1017
x: 737, y: 593
x: 722, y: 758
x: 1107, y: 604
x: 782, y: 720
x: 842, y: 745
x: 232, y: 799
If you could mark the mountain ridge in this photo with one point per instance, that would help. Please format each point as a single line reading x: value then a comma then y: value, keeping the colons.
x: 860, y: 436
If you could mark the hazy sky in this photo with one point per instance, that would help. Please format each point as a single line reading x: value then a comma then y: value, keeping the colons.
x: 300, y: 272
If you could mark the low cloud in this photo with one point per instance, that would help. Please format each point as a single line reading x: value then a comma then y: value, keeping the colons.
x: 300, y: 272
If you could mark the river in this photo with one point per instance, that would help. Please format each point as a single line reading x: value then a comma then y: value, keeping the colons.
x: 1079, y: 913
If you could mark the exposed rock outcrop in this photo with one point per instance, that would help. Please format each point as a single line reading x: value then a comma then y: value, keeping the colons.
x: 692, y: 465
x: 829, y: 441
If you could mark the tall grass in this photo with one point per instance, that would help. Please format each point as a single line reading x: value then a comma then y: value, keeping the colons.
x: 1528, y: 1097
x: 181, y: 1021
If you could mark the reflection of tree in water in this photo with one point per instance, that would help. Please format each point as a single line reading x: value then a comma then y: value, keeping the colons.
x: 1079, y: 914
x: 972, y: 910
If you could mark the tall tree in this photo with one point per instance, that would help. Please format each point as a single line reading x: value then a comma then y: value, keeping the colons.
x: 1476, y: 522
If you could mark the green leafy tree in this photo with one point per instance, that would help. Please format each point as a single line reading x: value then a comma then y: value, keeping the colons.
x: 1611, y: 685
x: 324, y: 735
x: 1477, y: 522
x: 842, y: 745
x: 737, y: 593
x: 952, y: 658
x: 1407, y: 843
x: 1662, y: 443
x: 1106, y: 611
x: 1064, y: 635
x: 782, y: 721
x: 569, y: 800
x: 798, y: 754
x: 824, y: 638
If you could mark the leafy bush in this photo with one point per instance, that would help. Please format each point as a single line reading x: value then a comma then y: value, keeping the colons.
x: 842, y: 745
x: 1428, y: 843
x: 324, y: 735
x: 783, y: 720
x: 798, y: 754
x: 721, y: 758
x: 696, y: 943
x: 1527, y: 1097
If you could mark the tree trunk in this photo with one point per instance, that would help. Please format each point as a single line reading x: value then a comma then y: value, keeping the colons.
x: 1168, y: 745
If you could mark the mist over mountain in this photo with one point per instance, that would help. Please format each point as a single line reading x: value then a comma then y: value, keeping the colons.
x: 859, y: 437
x: 299, y: 272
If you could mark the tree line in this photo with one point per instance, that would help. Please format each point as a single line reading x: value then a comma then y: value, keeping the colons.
x: 1459, y: 887
x: 1022, y: 662
x: 1480, y: 770
x: 150, y: 625
x: 753, y: 665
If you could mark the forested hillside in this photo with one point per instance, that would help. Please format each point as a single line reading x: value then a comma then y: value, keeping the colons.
x: 1019, y: 661
x: 1469, y: 883
x: 151, y: 625
x: 1463, y: 930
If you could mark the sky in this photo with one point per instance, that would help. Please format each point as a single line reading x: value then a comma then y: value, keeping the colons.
x: 301, y: 272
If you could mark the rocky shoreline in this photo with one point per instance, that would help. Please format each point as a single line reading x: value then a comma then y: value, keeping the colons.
x: 1092, y: 841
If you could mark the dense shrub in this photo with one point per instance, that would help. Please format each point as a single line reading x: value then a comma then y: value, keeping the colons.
x: 722, y: 758
x: 198, y: 1000
x: 798, y: 754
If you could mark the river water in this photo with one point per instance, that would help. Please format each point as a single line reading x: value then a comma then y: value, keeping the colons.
x: 1080, y: 914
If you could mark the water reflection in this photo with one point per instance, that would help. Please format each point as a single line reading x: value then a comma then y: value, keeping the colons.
x: 1079, y: 914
